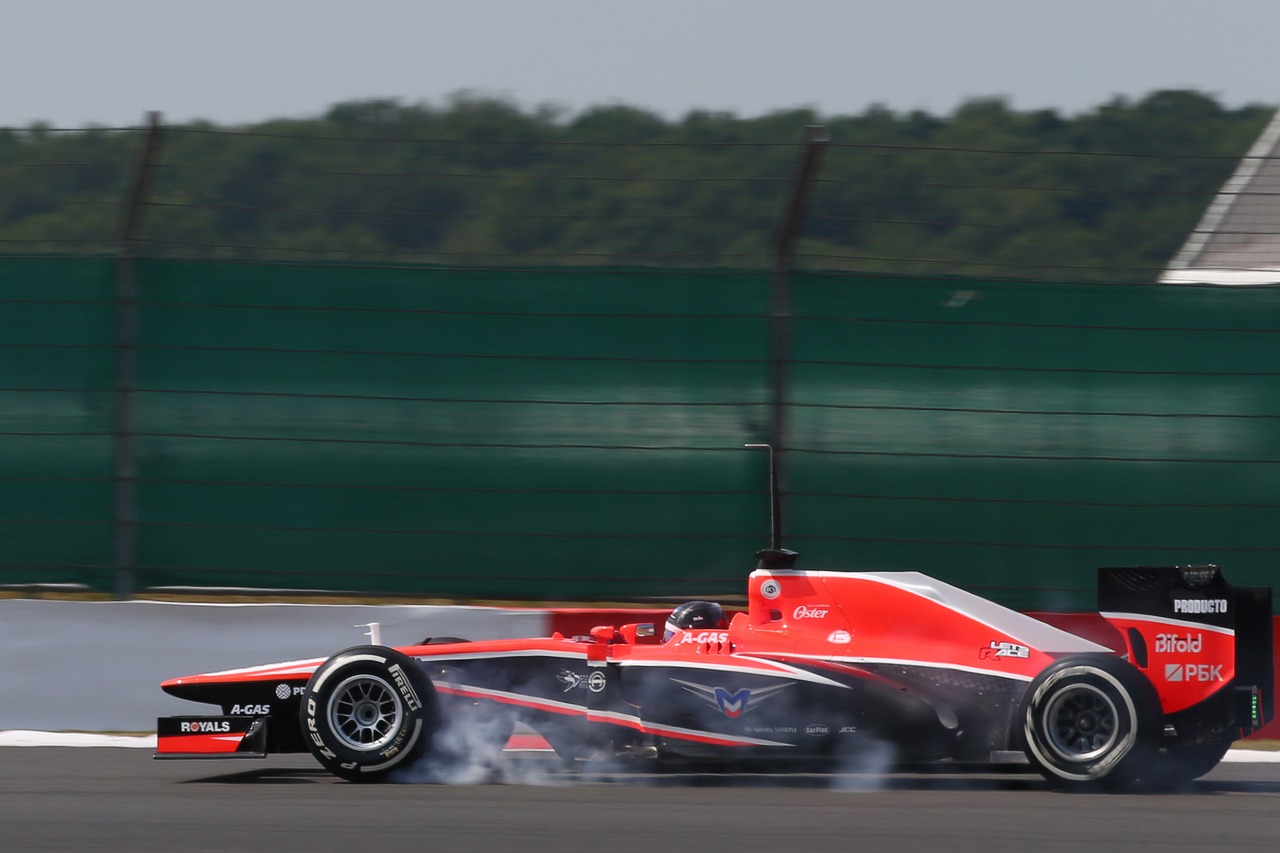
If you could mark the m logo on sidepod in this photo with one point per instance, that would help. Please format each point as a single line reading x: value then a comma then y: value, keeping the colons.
x: 735, y: 704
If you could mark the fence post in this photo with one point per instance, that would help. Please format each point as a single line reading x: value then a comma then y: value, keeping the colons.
x: 123, y: 428
x: 816, y: 138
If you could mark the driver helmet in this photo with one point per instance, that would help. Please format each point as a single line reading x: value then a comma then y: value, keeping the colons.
x: 695, y: 614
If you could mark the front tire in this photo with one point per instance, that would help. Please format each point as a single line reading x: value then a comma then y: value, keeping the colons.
x: 1089, y: 720
x: 367, y: 711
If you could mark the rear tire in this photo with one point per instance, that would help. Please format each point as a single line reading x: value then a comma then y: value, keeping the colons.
x: 1090, y: 720
x: 367, y: 711
x: 1179, y: 766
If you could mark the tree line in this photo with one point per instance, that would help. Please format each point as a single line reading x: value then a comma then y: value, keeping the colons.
x: 988, y: 190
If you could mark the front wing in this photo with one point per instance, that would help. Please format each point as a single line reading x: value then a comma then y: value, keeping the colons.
x: 211, y: 737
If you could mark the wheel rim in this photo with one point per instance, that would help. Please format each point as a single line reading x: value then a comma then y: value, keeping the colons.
x: 365, y: 712
x: 1082, y: 723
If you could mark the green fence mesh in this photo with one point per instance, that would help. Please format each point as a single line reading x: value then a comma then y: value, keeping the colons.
x: 577, y: 433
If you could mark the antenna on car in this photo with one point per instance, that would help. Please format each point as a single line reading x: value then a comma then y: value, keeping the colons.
x: 775, y: 556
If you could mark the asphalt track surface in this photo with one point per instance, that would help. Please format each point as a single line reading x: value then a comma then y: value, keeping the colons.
x: 120, y: 799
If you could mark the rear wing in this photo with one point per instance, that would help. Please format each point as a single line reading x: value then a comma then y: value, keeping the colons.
x: 1204, y: 644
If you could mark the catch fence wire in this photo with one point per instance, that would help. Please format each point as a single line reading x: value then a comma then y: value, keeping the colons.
x: 433, y: 410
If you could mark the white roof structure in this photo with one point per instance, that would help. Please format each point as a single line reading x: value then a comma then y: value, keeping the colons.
x: 1238, y: 239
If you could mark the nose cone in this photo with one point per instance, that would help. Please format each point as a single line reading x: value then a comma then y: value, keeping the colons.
x: 216, y: 687
x: 192, y: 687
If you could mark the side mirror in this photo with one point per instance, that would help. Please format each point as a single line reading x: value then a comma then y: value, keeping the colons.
x: 641, y: 632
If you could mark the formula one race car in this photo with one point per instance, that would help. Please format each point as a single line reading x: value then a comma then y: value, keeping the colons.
x: 823, y: 665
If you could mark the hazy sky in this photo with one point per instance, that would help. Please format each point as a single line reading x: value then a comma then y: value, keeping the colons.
x: 74, y: 62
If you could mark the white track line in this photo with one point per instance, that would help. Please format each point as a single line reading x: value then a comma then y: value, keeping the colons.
x: 32, y: 738
x: 20, y: 737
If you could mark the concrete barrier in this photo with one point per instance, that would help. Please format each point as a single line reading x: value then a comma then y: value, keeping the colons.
x: 97, y: 666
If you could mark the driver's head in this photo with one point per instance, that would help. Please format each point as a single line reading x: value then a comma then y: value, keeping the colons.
x: 695, y: 615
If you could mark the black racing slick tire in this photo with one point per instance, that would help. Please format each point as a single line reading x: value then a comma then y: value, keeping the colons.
x: 368, y: 711
x: 1179, y: 766
x: 1090, y: 721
